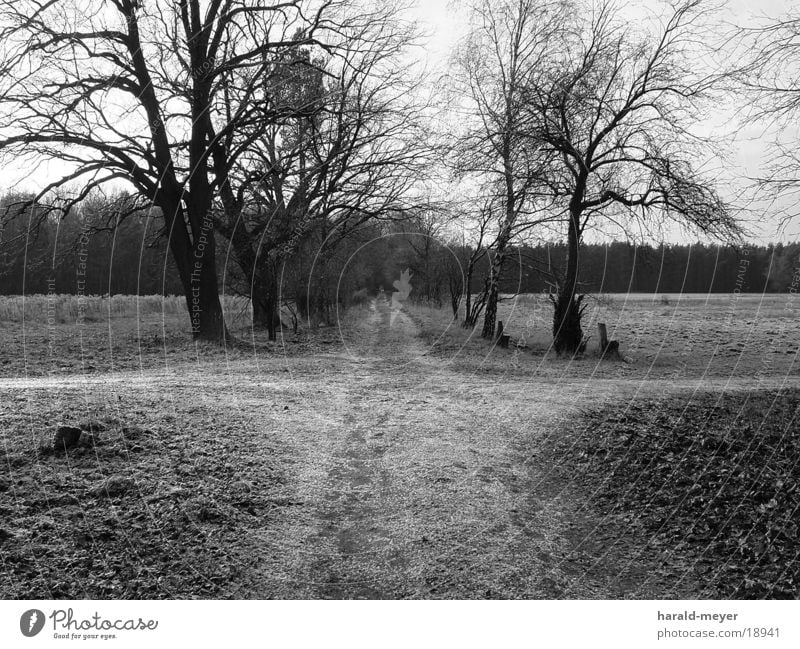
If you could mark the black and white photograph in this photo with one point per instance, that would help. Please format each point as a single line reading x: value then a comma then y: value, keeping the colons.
x: 386, y: 300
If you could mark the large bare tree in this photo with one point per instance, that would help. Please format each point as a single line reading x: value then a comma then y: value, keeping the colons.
x: 351, y: 149
x: 136, y: 91
x: 615, y: 110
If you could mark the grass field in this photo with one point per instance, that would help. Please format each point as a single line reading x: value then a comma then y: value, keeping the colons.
x: 68, y: 334
x: 689, y: 335
x: 398, y: 455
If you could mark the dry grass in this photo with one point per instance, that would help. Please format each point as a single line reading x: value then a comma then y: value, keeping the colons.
x: 67, y: 309
x: 682, y: 335
x: 64, y: 334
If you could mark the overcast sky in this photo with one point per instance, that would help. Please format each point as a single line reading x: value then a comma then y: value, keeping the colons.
x: 444, y: 22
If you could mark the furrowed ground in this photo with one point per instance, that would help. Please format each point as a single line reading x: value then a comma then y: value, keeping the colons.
x: 397, y: 455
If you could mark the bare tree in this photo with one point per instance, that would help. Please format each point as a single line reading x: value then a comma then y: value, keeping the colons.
x: 350, y: 149
x: 765, y: 63
x: 136, y: 90
x: 508, y: 40
x: 457, y: 266
x: 473, y: 307
x: 614, y: 113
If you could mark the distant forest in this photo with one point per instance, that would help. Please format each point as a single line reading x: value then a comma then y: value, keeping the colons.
x: 622, y: 267
x: 86, y: 254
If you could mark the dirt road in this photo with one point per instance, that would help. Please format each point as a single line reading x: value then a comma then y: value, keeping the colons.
x: 417, y: 486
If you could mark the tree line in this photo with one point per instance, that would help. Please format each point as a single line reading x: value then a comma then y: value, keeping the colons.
x: 615, y: 267
x: 90, y: 254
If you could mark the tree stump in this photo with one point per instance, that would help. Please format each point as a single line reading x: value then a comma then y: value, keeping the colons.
x: 608, y: 348
x: 601, y: 329
x: 612, y: 349
x: 66, y: 437
x: 502, y: 339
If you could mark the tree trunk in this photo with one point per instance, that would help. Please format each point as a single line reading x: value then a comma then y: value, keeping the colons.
x: 476, y: 307
x: 265, y: 315
x: 264, y: 295
x: 567, y: 332
x: 272, y: 316
x: 468, y: 320
x: 504, y: 236
x: 455, y: 302
x: 198, y: 273
x: 490, y: 315
x: 468, y: 289
x: 472, y: 311
x: 205, y: 311
x: 208, y: 321
x: 492, y: 287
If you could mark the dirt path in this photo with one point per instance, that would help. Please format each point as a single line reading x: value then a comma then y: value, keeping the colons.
x: 410, y: 489
x: 354, y: 545
x: 424, y: 483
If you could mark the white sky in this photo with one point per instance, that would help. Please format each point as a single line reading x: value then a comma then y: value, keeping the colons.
x: 444, y: 22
